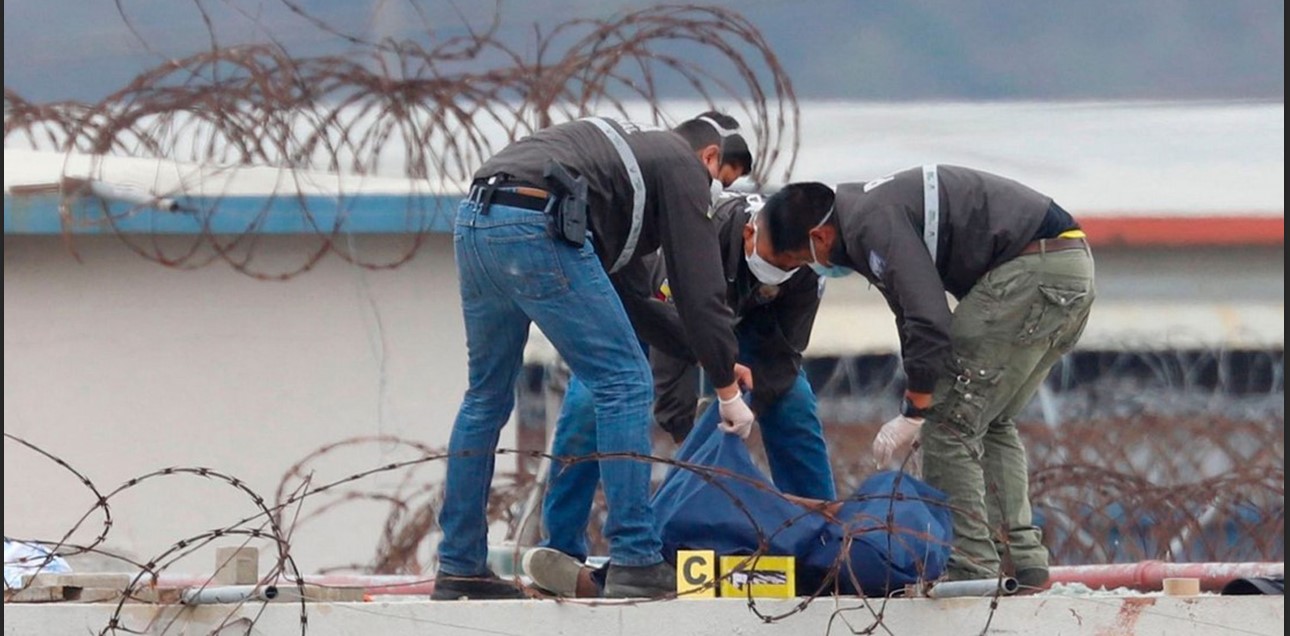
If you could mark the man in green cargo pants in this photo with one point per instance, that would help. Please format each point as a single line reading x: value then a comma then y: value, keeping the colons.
x: 1022, y: 273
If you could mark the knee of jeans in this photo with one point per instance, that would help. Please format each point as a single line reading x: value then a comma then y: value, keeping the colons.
x: 632, y: 386
x: 481, y: 402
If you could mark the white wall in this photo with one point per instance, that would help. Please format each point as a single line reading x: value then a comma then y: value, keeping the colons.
x: 1088, y: 615
x: 120, y: 366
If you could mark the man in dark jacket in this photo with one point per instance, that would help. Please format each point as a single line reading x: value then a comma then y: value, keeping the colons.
x: 774, y: 310
x: 774, y: 314
x: 1022, y: 273
x: 548, y: 219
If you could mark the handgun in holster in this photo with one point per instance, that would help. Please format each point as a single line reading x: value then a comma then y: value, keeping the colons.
x: 568, y: 208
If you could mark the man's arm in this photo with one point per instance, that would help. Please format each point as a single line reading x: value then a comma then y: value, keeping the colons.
x: 781, y: 336
x: 676, y: 393
x: 656, y: 322
x: 916, y: 294
x: 695, y: 274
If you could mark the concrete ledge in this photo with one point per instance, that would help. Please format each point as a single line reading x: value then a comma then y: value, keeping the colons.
x: 1064, y: 615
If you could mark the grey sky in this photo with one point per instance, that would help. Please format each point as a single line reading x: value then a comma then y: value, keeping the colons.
x: 859, y: 49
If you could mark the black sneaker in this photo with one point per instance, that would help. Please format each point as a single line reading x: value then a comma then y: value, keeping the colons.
x: 1032, y: 580
x: 486, y: 586
x: 650, y: 581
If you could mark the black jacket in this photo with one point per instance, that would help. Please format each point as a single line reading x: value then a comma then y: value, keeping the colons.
x: 773, y: 323
x: 677, y: 204
x: 985, y: 220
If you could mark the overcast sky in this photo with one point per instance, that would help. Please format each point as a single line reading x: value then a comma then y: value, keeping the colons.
x: 862, y: 49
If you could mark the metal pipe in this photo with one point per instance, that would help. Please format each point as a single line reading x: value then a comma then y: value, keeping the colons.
x: 373, y: 584
x: 228, y: 594
x: 974, y: 587
x: 1149, y: 576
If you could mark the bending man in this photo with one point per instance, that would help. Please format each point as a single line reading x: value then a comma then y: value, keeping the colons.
x: 548, y: 219
x: 1022, y: 272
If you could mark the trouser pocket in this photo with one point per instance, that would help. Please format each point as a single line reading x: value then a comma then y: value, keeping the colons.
x: 1056, y: 308
x: 968, y: 396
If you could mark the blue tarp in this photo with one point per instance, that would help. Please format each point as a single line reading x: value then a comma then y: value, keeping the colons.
x: 731, y: 510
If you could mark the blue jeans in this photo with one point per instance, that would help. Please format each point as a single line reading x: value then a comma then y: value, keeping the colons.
x: 790, y: 428
x: 512, y: 272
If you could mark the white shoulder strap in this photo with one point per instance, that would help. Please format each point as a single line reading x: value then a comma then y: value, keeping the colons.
x: 638, y: 188
x: 931, y: 209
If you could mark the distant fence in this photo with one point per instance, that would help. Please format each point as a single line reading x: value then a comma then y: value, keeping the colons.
x: 1174, y: 455
x: 1177, y: 455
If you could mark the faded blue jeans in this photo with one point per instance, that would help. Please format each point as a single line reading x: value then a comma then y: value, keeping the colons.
x: 513, y: 273
x: 791, y: 432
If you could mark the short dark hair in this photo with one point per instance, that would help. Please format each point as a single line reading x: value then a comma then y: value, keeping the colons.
x: 735, y: 152
x: 726, y: 122
x: 700, y: 134
x: 794, y: 211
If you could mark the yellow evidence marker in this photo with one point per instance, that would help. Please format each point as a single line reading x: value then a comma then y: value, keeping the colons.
x: 695, y: 572
x: 764, y: 577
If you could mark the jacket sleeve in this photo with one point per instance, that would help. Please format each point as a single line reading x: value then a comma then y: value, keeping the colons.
x: 656, y: 322
x: 914, y: 291
x: 780, y: 338
x: 676, y: 392
x: 693, y: 257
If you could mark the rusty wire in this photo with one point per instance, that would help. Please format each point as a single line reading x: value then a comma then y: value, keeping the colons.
x: 425, y: 113
x: 1194, y: 474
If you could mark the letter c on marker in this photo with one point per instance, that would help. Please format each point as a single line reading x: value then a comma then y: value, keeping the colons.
x: 687, y: 570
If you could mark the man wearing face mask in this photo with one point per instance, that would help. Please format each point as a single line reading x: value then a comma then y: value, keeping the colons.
x: 1022, y: 272
x: 775, y: 310
x: 548, y: 220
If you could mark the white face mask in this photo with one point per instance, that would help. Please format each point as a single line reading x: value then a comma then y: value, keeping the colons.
x: 716, y: 190
x: 765, y: 272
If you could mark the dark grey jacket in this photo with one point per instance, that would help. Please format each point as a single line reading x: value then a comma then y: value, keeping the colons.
x: 773, y: 323
x: 985, y: 220
x: 675, y: 217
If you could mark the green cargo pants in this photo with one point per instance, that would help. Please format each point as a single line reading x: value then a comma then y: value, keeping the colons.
x: 1007, y: 333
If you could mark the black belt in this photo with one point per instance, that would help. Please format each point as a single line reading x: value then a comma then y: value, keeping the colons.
x: 1053, y: 245
x: 515, y: 196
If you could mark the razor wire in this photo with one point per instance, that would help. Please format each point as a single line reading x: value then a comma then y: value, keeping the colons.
x: 410, y: 119
x: 1164, y: 455
x: 1196, y: 473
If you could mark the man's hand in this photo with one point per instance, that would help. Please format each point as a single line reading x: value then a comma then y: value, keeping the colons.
x: 895, y: 438
x: 743, y: 377
x: 736, y: 417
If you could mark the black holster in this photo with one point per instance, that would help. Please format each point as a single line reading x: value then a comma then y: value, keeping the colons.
x: 568, y: 206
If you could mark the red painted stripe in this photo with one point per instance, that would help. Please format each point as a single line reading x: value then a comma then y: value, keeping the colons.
x: 1136, y: 231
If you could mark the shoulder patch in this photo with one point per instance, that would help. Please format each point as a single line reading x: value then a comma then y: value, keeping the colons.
x: 633, y: 127
x: 877, y: 264
x: 870, y: 185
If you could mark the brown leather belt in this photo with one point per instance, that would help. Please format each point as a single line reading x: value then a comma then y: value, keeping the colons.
x: 1054, y: 245
x: 519, y: 196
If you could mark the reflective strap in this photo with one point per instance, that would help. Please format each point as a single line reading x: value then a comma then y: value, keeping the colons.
x: 931, y: 209
x: 638, y: 188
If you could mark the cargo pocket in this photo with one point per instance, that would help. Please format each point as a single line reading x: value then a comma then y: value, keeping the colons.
x: 1056, y: 307
x: 969, y: 397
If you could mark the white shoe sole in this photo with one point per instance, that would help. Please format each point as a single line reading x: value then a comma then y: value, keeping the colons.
x: 552, y: 571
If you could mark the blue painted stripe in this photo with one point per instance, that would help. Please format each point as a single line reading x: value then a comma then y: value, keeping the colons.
x: 358, y: 214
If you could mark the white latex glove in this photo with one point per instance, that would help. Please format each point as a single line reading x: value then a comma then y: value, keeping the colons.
x: 736, y: 417
x: 896, y: 438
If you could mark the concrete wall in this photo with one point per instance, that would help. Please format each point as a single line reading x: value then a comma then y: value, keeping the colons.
x: 121, y: 366
x: 1065, y: 616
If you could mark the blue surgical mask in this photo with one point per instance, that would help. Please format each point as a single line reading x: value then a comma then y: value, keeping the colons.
x: 825, y: 271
